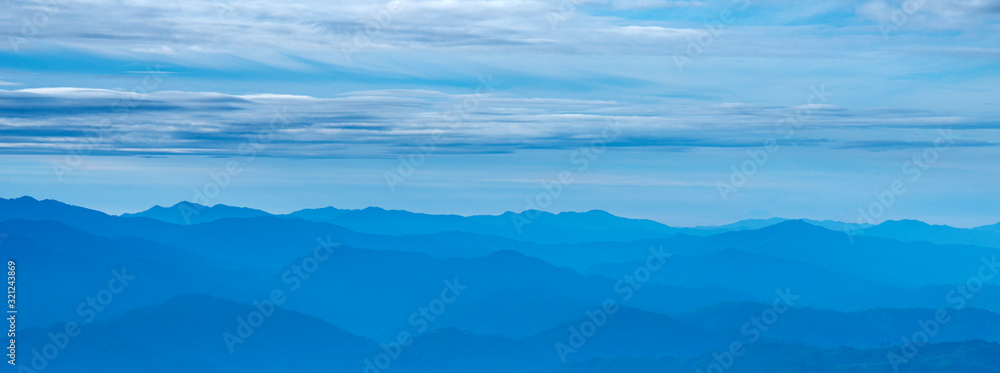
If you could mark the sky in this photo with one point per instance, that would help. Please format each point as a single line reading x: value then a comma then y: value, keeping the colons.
x: 686, y: 112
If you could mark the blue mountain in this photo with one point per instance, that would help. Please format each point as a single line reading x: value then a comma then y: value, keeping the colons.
x: 151, y: 339
x: 193, y: 213
x: 475, y: 295
x: 914, y: 230
x: 70, y: 275
x: 566, y: 227
x: 867, y: 329
x: 186, y: 334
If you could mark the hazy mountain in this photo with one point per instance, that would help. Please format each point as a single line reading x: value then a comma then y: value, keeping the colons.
x: 263, y: 242
x: 913, y: 230
x: 991, y: 228
x: 532, y: 226
x: 874, y: 328
x: 483, y: 299
x: 908, y: 264
x: 271, y: 242
x: 634, y: 333
x: 66, y: 274
x: 185, y: 334
x: 393, y: 222
x: 91, y: 221
x: 387, y: 287
x: 741, y: 225
x: 193, y: 213
x: 759, y: 276
x: 627, y: 333
x: 194, y: 326
x: 454, y: 351
x: 964, y: 357
x: 515, y: 312
x: 566, y: 227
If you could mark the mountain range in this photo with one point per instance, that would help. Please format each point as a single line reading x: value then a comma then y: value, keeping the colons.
x: 151, y: 293
x: 565, y: 227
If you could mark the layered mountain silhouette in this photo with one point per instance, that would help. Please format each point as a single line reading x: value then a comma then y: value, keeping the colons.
x: 566, y: 227
x: 571, y: 292
x: 152, y: 338
x: 186, y: 333
x: 193, y: 213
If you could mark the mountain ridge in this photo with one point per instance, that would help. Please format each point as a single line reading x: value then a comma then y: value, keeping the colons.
x: 609, y: 226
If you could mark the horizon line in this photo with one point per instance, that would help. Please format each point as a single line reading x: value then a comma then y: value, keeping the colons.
x: 863, y: 225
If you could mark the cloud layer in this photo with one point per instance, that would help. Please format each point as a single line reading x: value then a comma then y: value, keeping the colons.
x: 390, y: 122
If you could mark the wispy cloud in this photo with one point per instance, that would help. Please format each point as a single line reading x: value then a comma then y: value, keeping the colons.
x: 383, y: 123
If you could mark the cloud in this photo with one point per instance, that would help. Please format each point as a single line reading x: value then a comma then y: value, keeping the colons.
x: 390, y: 122
x: 653, y: 4
x: 966, y: 15
x: 372, y: 79
x: 213, y: 33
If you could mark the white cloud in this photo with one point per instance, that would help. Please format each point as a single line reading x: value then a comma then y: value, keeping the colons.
x: 375, y: 124
x: 197, y: 33
x: 967, y: 15
x: 653, y: 4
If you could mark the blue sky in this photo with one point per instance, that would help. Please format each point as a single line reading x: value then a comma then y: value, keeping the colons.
x: 122, y: 105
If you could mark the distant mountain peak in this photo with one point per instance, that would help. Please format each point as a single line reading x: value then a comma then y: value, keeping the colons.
x: 189, y: 204
x: 535, y: 212
x: 186, y: 212
x: 906, y: 221
x: 797, y: 226
x: 590, y: 212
